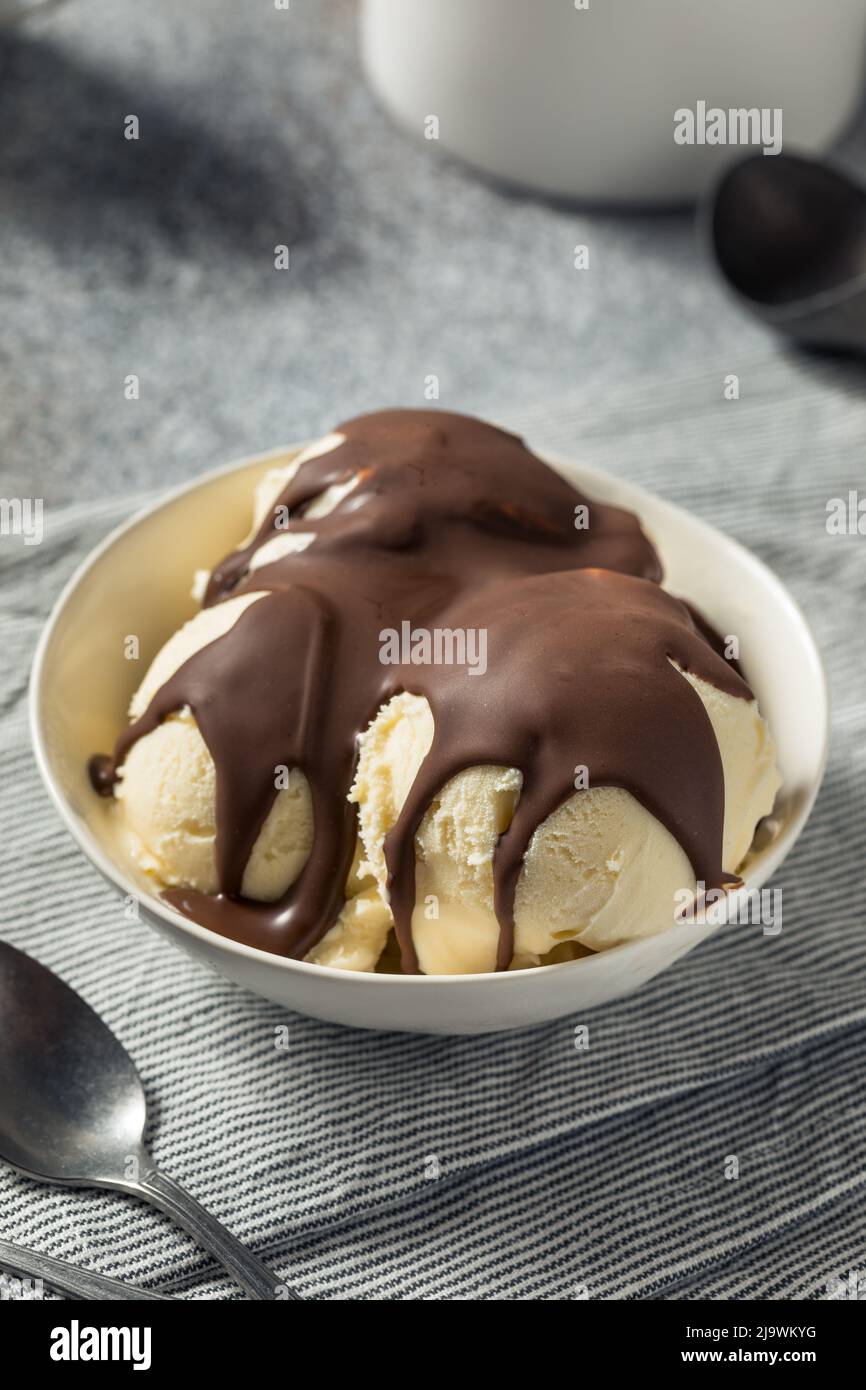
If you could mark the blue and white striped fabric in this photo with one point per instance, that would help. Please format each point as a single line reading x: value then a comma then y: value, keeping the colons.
x: 558, y: 1173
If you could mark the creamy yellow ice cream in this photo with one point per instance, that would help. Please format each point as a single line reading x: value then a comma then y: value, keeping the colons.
x: 166, y: 789
x: 598, y: 871
x: 166, y: 801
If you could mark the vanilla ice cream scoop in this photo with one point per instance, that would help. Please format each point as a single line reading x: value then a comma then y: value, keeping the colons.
x: 607, y: 761
x: 166, y: 787
x: 166, y: 806
x: 600, y: 870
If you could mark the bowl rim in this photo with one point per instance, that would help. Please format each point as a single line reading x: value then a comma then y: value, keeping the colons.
x: 88, y: 843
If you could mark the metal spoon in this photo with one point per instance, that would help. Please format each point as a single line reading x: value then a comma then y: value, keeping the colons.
x: 67, y: 1278
x: 789, y: 236
x: 72, y: 1110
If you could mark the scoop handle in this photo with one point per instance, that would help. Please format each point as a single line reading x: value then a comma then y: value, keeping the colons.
x: 174, y: 1201
x: 67, y: 1278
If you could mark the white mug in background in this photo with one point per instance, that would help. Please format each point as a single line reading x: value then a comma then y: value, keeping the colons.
x: 578, y: 98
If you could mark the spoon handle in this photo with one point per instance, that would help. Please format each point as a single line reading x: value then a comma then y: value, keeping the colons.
x: 169, y: 1197
x: 66, y: 1278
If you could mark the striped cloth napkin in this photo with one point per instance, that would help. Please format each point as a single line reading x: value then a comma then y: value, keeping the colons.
x: 512, y: 1166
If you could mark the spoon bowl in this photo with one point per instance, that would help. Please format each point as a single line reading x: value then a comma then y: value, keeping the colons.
x: 789, y: 237
x: 72, y: 1107
x: 73, y: 1110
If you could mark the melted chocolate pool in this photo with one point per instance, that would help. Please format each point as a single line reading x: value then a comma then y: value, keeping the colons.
x: 454, y: 524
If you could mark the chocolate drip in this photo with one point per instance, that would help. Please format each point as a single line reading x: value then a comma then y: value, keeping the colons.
x: 579, y: 674
x: 451, y: 495
x: 455, y: 523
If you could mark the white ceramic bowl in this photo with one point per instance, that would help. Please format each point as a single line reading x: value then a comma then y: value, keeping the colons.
x: 81, y: 686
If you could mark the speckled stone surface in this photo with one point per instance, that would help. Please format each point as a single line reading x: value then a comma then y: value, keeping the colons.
x: 156, y: 257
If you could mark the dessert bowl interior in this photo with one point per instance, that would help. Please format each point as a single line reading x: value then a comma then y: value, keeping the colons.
x: 137, y: 584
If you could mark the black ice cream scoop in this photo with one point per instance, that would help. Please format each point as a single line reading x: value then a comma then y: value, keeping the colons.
x: 789, y: 237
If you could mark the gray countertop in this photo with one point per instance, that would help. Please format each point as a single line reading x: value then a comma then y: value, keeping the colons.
x: 156, y: 257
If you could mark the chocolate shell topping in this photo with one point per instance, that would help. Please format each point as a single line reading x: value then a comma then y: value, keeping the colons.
x: 450, y: 524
